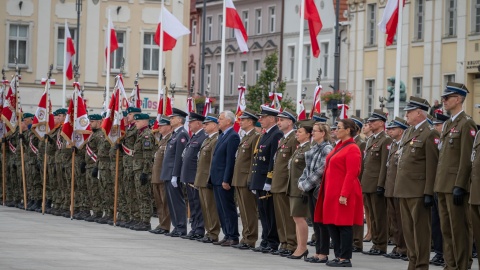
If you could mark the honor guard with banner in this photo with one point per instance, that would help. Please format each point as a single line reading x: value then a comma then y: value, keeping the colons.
x: 91, y: 167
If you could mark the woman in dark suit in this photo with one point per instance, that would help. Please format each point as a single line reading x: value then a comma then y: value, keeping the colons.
x: 298, y: 200
x: 339, y: 203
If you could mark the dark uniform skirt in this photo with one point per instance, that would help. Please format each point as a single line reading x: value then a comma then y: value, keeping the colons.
x: 299, y: 207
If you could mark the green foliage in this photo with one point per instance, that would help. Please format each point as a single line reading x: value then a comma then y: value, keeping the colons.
x: 258, y: 92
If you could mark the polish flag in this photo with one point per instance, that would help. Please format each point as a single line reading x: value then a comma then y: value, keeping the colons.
x: 113, y: 125
x: 389, y: 22
x: 343, y: 111
x: 173, y: 29
x: 234, y: 21
x: 276, y: 98
x: 70, y: 51
x: 241, y: 106
x: 134, y: 100
x: 3, y: 87
x: 9, y: 111
x: 302, y: 115
x: 110, y: 38
x: 168, y: 111
x: 43, y: 121
x: 208, y: 106
x: 316, y: 105
x: 190, y: 108
x: 314, y: 25
x: 76, y: 130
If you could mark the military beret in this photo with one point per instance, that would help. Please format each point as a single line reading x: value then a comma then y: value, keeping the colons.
x: 417, y: 103
x: 124, y: 113
x: 95, y: 117
x: 257, y: 124
x: 249, y: 114
x: 141, y: 116
x: 320, y: 117
x: 288, y: 114
x: 265, y: 111
x: 28, y: 115
x: 195, y: 117
x: 133, y: 110
x: 61, y: 111
x: 378, y: 115
x: 211, y: 118
x: 455, y: 88
x: 178, y: 112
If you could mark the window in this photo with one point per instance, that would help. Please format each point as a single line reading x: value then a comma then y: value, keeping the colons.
x: 258, y: 21
x: 476, y: 16
x: 291, y: 55
x: 220, y: 26
x: 245, y: 20
x: 208, y: 68
x: 18, y: 44
x: 150, y: 53
x: 117, y: 56
x: 271, y: 19
x: 307, y: 54
x: 61, y: 44
x: 219, y: 70
x: 231, y: 76
x: 244, y: 72
x: 324, y: 51
x: 194, y: 33
x: 256, y: 67
x: 419, y: 19
x: 448, y: 78
x: 209, y: 28
x: 370, y: 85
x: 417, y: 86
x: 371, y: 24
x: 451, y: 18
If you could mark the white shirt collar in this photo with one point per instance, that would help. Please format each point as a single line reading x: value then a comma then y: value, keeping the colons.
x: 211, y: 135
x: 266, y: 131
x: 288, y: 133
x: 177, y: 128
x: 455, y: 116
x: 419, y: 124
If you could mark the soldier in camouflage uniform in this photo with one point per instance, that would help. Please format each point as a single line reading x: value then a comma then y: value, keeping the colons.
x: 106, y: 181
x: 91, y: 167
x: 142, y: 167
x: 62, y: 187
x: 18, y: 160
x: 12, y: 192
x: 32, y: 166
x: 121, y: 195
x: 81, y: 192
x: 128, y: 143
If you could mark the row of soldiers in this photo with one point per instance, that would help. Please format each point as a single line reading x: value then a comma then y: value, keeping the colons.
x: 404, y: 174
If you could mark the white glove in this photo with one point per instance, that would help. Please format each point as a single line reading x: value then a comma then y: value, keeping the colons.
x: 267, y: 187
x: 174, y: 181
x: 254, y: 191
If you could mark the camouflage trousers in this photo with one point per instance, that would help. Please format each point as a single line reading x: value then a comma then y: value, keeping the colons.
x: 67, y: 182
x: 106, y: 187
x: 12, y: 185
x: 34, y: 180
x: 18, y: 182
x: 81, y: 195
x: 144, y: 197
x: 51, y: 180
x: 130, y: 192
x: 121, y: 199
x: 93, y: 187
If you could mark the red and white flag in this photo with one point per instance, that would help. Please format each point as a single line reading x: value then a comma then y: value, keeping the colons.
x: 241, y: 106
x: 43, y: 120
x: 3, y: 87
x: 134, y: 100
x: 317, y: 102
x: 190, y: 108
x: 110, y: 38
x: 9, y: 111
x: 343, y: 111
x: 234, y: 21
x: 302, y: 115
x: 208, y: 106
x: 314, y: 25
x: 113, y: 125
x: 76, y: 130
x: 168, y: 111
x: 173, y: 29
x: 389, y: 22
x: 69, y: 52
x: 275, y: 98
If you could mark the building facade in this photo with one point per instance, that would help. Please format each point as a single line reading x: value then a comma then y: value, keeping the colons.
x: 440, y: 43
x: 34, y: 33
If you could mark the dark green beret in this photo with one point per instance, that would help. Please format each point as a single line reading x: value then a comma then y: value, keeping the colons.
x: 124, y: 113
x: 95, y: 117
x: 61, y: 111
x: 141, y: 116
x: 27, y: 115
x: 133, y: 110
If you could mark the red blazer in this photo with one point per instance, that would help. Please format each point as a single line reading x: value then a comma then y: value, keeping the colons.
x: 341, y: 179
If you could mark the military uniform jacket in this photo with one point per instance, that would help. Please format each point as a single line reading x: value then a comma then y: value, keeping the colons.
x: 158, y: 159
x: 361, y: 144
x: 94, y: 141
x: 64, y: 154
x: 454, y: 163
x: 172, y: 162
x: 127, y: 145
x: 245, y: 155
x: 417, y: 162
x: 13, y: 145
x: 296, y: 165
x: 144, y: 150
x: 392, y: 162
x: 286, y: 147
x: 475, y: 178
x: 262, y: 167
x: 375, y: 161
x: 103, y: 153
x: 31, y: 141
x: 205, y: 160
x: 52, y: 144
x: 190, y: 157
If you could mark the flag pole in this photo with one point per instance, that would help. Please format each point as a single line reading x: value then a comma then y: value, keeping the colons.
x: 396, y: 103
x: 165, y: 96
x: 65, y: 67
x: 47, y: 95
x: 107, y: 84
x: 300, y: 55
x: 4, y: 144
x: 75, y: 104
x: 160, y: 54
x: 117, y: 154
x: 222, y: 60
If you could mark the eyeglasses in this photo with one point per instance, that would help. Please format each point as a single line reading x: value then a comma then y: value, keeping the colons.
x: 445, y: 98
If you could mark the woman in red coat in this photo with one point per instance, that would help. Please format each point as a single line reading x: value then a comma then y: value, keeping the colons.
x: 340, y: 204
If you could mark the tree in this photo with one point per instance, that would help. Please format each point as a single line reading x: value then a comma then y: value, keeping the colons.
x: 259, y: 92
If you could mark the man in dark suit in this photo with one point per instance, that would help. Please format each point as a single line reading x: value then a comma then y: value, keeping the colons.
x: 171, y: 170
x: 188, y: 173
x: 221, y: 177
x: 262, y: 169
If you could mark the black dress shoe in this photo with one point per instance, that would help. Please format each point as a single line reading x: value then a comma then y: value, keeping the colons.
x: 340, y: 263
x: 242, y: 246
x: 391, y: 255
x: 277, y: 252
x: 311, y: 243
x: 401, y: 256
x: 218, y: 243
x: 207, y: 240
x: 268, y: 250
x: 177, y: 234
x: 355, y: 249
x: 196, y: 237
x: 229, y: 243
x: 186, y: 236
x: 437, y: 260
x: 316, y: 260
x: 287, y: 253
x: 259, y: 249
x: 375, y: 252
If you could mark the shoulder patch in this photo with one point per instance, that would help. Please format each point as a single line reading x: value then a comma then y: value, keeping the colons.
x: 437, y: 141
x: 472, y: 132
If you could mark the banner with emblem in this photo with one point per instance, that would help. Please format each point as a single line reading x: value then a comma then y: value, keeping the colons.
x: 241, y: 105
x: 9, y: 111
x: 275, y: 98
x: 43, y: 121
x: 302, y: 115
x: 161, y: 107
x: 3, y: 86
x: 113, y: 125
x: 76, y: 130
x: 316, y: 105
